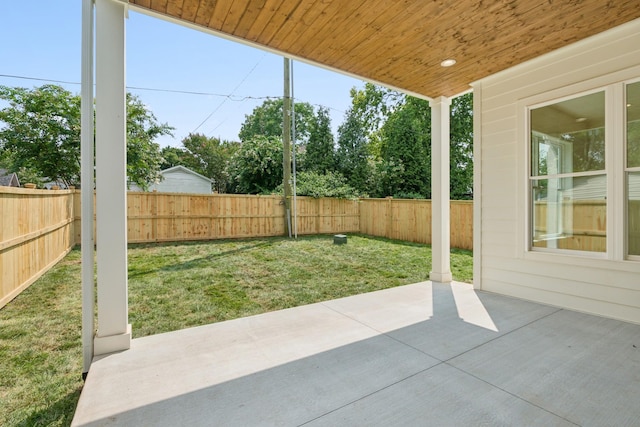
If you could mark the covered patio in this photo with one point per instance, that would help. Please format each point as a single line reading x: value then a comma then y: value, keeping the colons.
x: 422, y: 354
x: 438, y: 352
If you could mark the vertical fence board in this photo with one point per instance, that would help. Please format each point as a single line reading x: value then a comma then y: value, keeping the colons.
x: 37, y: 230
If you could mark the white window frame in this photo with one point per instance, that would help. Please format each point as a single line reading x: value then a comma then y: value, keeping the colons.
x: 627, y: 171
x: 615, y: 170
x: 529, y: 193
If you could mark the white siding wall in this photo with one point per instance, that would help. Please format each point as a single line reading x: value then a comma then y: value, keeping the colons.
x: 601, y: 286
x: 179, y: 181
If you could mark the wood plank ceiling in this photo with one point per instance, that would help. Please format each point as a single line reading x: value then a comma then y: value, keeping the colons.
x: 401, y: 43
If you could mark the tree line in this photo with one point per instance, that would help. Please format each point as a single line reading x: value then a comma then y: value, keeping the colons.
x: 382, y: 148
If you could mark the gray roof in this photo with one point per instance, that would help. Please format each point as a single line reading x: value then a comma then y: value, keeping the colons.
x: 8, y: 179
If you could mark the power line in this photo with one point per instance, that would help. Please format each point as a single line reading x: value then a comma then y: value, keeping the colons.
x: 232, y: 92
x: 229, y: 97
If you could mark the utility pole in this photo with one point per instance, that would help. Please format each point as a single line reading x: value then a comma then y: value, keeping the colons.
x: 286, y: 139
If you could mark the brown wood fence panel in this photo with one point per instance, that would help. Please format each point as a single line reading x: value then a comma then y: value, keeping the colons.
x: 327, y: 216
x: 163, y: 217
x: 461, y: 216
x: 36, y: 231
x: 410, y: 220
x: 584, y: 223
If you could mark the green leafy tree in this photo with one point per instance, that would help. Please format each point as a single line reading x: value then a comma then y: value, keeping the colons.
x: 175, y: 156
x: 42, y: 131
x: 406, y: 140
x: 266, y: 120
x: 256, y: 167
x: 330, y: 184
x: 461, y: 149
x: 386, y: 178
x: 143, y: 155
x: 210, y: 157
x: 320, y: 152
x: 41, y: 134
x: 352, y: 153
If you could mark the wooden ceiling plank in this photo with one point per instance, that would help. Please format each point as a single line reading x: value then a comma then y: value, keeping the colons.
x: 240, y: 23
x: 142, y: 3
x: 189, y: 10
x: 281, y: 17
x: 366, y: 26
x: 309, y: 31
x: 305, y: 14
x: 448, y: 43
x: 558, y: 21
x: 333, y: 34
x: 253, y: 29
x: 532, y: 42
x: 385, y: 42
x: 174, y: 8
x: 213, y: 15
x: 401, y: 43
x: 159, y: 6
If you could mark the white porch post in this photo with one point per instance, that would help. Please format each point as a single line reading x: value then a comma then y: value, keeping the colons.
x: 440, y: 226
x: 86, y: 159
x: 114, y: 332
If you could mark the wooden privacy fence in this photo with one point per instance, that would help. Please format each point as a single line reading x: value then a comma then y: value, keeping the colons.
x: 163, y: 217
x: 39, y: 227
x: 410, y: 220
x: 36, y: 231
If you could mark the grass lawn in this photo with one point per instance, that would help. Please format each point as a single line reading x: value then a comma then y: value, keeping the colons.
x: 175, y: 286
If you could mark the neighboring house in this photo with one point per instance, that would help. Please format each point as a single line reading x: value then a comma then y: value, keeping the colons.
x: 179, y: 179
x: 8, y: 179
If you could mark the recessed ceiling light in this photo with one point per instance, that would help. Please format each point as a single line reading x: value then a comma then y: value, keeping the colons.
x: 581, y: 119
x: 628, y: 105
x: 448, y: 62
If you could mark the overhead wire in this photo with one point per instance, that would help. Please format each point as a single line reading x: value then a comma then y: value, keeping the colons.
x: 232, y: 92
x: 228, y: 97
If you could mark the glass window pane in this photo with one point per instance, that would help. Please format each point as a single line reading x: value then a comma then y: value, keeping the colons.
x: 570, y: 213
x: 633, y: 213
x: 633, y: 125
x: 568, y: 136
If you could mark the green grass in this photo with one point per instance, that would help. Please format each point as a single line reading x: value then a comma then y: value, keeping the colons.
x: 175, y: 286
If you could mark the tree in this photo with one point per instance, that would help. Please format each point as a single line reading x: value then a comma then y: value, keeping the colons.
x: 406, y: 140
x: 319, y: 154
x: 210, y: 157
x: 143, y: 155
x: 256, y: 167
x: 174, y: 156
x: 461, y: 149
x: 329, y: 184
x: 352, y: 154
x: 41, y: 133
x: 266, y: 120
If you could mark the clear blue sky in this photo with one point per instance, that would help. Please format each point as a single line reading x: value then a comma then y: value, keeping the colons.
x: 41, y: 39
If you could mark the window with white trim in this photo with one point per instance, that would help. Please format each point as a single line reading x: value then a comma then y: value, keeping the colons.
x: 567, y: 174
x: 632, y: 167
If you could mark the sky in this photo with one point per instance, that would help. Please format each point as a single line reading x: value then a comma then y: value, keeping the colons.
x: 41, y: 40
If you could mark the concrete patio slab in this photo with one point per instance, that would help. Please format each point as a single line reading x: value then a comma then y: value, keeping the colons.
x: 441, y: 396
x: 418, y: 354
x: 581, y: 367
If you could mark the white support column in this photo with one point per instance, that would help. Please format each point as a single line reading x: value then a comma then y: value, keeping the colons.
x: 440, y: 225
x: 86, y: 160
x: 114, y: 332
x: 477, y: 185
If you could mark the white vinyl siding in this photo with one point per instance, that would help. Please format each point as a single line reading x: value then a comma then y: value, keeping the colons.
x: 607, y: 286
